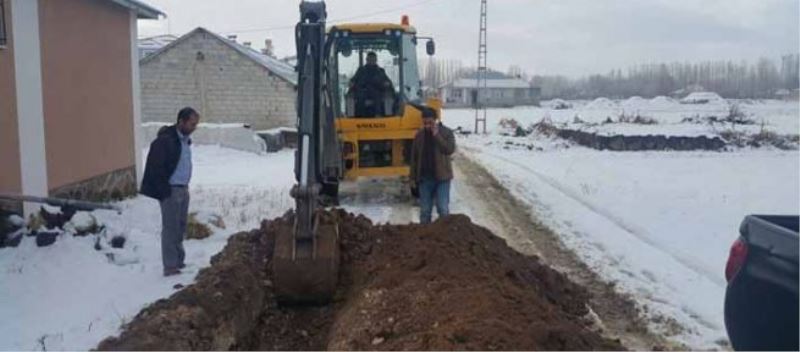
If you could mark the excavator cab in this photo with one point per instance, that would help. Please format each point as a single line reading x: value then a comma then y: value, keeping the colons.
x: 377, y: 107
x: 359, y: 106
x: 368, y: 81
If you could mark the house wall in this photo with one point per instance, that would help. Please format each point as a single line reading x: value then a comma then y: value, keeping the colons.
x: 10, y: 176
x: 87, y: 98
x: 221, y: 83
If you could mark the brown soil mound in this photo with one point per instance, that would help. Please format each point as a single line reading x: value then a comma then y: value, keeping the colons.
x: 449, y: 285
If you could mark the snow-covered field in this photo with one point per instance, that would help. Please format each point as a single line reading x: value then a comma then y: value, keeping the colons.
x: 771, y: 115
x: 69, y: 297
x: 659, y: 224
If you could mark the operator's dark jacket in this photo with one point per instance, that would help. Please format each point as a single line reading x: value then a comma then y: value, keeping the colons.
x: 162, y: 160
x: 446, y: 146
x: 371, y: 81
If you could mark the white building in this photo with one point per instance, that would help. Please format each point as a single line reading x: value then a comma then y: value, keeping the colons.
x: 501, y: 91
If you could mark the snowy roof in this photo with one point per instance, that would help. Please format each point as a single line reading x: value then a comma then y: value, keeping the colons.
x: 156, y: 42
x: 490, y: 83
x: 143, y: 11
x: 273, y: 65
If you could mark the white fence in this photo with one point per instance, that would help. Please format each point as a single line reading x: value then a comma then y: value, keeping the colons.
x: 229, y: 135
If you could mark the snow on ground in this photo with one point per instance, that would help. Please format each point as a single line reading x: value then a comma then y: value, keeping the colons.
x: 772, y: 115
x: 659, y: 224
x: 69, y: 297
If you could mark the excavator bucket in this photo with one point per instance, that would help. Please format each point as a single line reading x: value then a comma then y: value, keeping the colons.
x: 306, y: 272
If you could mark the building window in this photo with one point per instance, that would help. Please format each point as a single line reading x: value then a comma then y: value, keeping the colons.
x: 2, y: 23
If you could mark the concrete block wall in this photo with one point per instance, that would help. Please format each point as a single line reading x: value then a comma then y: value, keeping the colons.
x: 224, y: 85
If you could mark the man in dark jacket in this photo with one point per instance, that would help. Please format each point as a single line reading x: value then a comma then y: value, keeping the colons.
x: 370, y: 84
x: 166, y: 179
x: 431, y: 166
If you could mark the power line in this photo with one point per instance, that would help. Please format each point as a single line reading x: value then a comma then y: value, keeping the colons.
x: 339, y: 20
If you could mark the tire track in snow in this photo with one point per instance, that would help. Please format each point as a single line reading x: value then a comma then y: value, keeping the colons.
x: 637, y: 232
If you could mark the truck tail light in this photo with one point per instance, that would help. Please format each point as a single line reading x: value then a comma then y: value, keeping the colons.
x: 736, y: 259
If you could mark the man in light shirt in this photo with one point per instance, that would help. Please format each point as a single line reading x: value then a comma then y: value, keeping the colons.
x: 166, y: 179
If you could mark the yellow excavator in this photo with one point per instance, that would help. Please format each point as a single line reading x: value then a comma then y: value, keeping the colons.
x: 354, y: 118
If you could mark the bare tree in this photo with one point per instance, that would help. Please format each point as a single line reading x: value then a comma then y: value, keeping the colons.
x: 733, y: 80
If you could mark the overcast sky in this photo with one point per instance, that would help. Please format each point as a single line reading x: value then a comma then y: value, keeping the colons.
x: 572, y: 37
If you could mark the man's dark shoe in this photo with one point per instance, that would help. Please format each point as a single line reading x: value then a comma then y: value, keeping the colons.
x: 171, y: 272
x: 181, y: 265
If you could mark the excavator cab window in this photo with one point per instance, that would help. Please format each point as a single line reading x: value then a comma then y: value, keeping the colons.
x: 365, y: 89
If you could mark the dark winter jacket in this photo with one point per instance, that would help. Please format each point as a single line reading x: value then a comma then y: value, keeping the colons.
x: 162, y: 160
x: 445, y: 143
x: 371, y: 80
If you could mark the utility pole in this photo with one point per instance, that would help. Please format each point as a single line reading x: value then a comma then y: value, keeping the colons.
x: 481, y: 93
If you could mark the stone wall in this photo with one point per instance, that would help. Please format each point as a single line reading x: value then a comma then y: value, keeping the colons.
x: 637, y: 143
x: 114, y: 185
x: 224, y: 85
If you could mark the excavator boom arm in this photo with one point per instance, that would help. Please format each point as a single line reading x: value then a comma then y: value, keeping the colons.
x: 306, y: 257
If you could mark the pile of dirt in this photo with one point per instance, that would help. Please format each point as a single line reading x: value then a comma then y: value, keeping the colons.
x: 449, y: 285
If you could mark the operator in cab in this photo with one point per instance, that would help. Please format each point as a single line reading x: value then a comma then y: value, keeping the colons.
x: 371, y: 85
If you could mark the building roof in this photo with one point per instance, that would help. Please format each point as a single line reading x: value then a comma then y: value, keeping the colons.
x: 490, y: 83
x: 143, y: 11
x: 273, y: 65
x: 157, y: 42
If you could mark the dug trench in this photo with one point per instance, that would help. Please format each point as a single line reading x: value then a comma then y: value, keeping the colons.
x: 445, y: 286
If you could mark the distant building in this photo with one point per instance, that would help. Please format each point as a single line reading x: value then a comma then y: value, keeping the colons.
x: 150, y: 45
x: 683, y: 92
x: 702, y: 98
x: 501, y: 91
x: 787, y: 94
x: 227, y: 82
x: 69, y: 99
